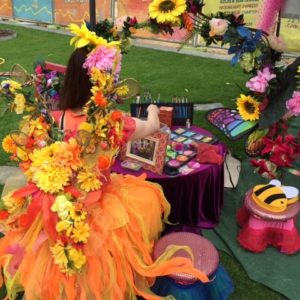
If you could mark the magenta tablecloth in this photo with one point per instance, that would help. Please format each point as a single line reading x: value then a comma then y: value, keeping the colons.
x: 196, y: 198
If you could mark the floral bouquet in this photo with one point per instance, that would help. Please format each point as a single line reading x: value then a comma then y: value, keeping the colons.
x: 48, y: 84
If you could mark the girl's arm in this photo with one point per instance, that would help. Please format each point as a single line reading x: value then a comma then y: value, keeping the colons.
x: 144, y: 128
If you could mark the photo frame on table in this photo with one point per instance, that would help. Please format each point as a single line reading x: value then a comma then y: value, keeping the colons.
x: 150, y: 151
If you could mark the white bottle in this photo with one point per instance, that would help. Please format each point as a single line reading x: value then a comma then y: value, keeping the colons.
x: 188, y: 124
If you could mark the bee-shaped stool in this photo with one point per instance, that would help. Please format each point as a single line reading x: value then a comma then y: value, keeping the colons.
x: 263, y: 225
x: 206, y: 259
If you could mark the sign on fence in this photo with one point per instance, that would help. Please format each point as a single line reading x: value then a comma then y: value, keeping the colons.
x: 75, y: 11
x: 35, y: 10
x: 5, y: 8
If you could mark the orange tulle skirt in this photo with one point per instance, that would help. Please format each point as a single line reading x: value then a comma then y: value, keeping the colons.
x: 125, y: 220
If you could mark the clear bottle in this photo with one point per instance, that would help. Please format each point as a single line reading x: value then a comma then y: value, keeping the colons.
x: 188, y: 124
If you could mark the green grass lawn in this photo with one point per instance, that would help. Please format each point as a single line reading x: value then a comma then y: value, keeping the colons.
x: 164, y: 73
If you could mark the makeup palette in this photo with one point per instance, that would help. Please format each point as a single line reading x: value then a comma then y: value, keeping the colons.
x: 187, y: 136
x: 181, y: 158
x: 179, y: 152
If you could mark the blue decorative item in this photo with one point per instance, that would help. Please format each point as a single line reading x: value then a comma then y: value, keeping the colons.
x: 220, y: 288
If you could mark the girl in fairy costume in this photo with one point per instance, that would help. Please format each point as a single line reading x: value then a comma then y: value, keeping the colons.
x: 72, y: 230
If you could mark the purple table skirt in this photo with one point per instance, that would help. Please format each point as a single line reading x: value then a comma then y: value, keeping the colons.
x: 196, y: 198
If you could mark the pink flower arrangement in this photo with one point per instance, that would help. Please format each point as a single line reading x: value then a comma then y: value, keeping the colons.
x: 293, y: 105
x: 104, y: 59
x: 260, y: 82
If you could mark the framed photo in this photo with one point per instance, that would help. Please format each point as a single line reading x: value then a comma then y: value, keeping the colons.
x: 143, y: 150
x: 150, y: 151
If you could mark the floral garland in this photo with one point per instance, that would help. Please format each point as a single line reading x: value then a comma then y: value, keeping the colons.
x: 272, y: 94
x: 65, y: 167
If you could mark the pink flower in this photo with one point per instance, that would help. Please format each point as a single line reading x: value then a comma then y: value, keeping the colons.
x: 260, y: 82
x: 218, y: 26
x: 293, y: 105
x: 38, y: 69
x: 104, y: 59
x: 119, y: 22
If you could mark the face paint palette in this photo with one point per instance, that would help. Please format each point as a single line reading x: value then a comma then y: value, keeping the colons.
x: 186, y: 136
x: 180, y: 158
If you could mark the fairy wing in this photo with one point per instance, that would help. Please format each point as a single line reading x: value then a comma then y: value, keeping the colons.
x: 19, y: 74
x: 230, y: 122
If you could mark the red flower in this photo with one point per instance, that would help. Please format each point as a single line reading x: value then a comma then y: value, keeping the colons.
x: 283, y: 150
x: 132, y: 21
x: 264, y: 168
x: 38, y: 69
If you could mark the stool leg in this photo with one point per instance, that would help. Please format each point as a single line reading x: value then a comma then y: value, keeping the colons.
x: 251, y: 239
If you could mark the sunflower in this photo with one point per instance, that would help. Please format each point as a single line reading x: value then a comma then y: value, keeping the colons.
x: 167, y: 10
x: 248, y: 108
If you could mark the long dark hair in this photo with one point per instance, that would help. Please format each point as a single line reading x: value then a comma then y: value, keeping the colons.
x: 76, y: 88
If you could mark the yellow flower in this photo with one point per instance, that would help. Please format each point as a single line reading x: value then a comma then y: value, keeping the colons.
x: 19, y: 102
x: 122, y: 90
x: 64, y: 225
x: 101, y: 128
x: 12, y: 85
x: 86, y: 126
x: 77, y: 213
x: 76, y: 257
x: 101, y: 78
x: 62, y: 206
x: 49, y: 172
x: 248, y: 108
x: 22, y: 154
x: 59, y: 255
x: 88, y: 180
x: 51, y: 179
x: 167, y: 11
x: 80, y: 232
x: 83, y: 37
x: 12, y: 203
x: 8, y: 144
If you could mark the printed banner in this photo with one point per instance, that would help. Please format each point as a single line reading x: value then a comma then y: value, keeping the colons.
x: 35, y: 10
x: 290, y: 25
x: 6, y: 8
x: 290, y: 21
x: 75, y: 11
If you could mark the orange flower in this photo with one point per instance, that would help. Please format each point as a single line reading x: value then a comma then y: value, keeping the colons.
x: 103, y: 162
x: 116, y: 115
x: 100, y: 99
x: 8, y: 144
x: 188, y: 23
x: 25, y: 165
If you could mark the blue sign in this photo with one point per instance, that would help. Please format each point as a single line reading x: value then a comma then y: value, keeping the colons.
x: 36, y: 10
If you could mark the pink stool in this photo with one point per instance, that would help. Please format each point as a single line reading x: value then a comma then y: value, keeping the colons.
x: 206, y: 259
x: 261, y: 227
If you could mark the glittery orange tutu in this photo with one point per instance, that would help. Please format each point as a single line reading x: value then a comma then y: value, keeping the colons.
x: 125, y: 220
